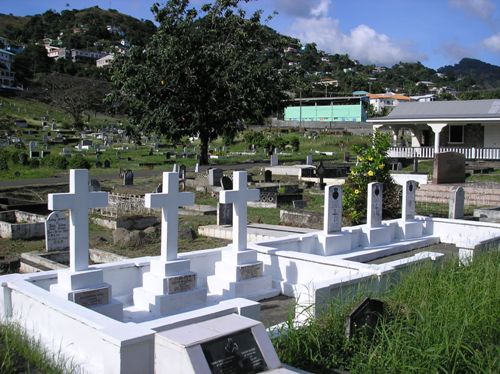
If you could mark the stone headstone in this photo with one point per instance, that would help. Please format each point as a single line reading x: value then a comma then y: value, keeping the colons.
x: 226, y: 183
x: 299, y: 204
x: 182, y: 172
x: 159, y: 188
x: 197, y: 168
x: 128, y: 178
x: 268, y: 176
x: 107, y: 164
x: 214, y: 177
x: 56, y: 232
x: 94, y: 185
x: 456, y: 203
x: 449, y: 167
x: 274, y: 160
x: 409, y: 198
x: 332, y: 221
x: 364, y: 318
x: 224, y: 214
x: 98, y: 164
x: 375, y: 204
x: 309, y: 159
x: 174, y: 168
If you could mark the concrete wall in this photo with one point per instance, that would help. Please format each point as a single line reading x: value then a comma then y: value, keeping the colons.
x: 16, y: 224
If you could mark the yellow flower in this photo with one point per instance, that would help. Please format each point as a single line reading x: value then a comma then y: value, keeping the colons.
x: 356, y: 192
x: 371, y: 173
x: 360, y: 158
x: 353, y: 172
x: 370, y: 158
x: 162, y: 82
x: 381, y: 166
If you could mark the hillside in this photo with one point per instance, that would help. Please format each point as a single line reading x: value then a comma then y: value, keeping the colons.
x: 484, y: 74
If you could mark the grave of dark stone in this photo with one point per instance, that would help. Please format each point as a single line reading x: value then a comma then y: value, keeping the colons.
x: 449, y: 167
x: 94, y: 185
x: 268, y: 176
x: 128, y: 178
x: 129, y: 158
x: 214, y: 177
x: 364, y: 318
x: 107, y: 164
x: 224, y: 214
x: 98, y: 164
x: 226, y: 183
x: 182, y: 172
x: 159, y: 188
x: 167, y: 155
x: 9, y: 264
x: 299, y: 204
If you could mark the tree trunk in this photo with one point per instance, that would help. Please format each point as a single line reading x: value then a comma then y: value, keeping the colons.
x: 204, y: 149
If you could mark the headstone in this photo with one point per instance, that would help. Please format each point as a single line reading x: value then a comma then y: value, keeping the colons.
x: 456, y: 204
x: 299, y: 204
x: 364, y: 318
x: 79, y: 200
x: 159, y: 188
x: 375, y: 204
x: 182, y: 172
x: 449, y: 167
x: 226, y: 183
x: 409, y: 198
x: 33, y: 149
x: 56, y: 232
x: 224, y: 214
x: 276, y: 150
x: 98, y: 164
x: 214, y: 176
x: 415, y: 165
x: 333, y: 210
x: 107, y: 164
x: 167, y: 155
x: 239, y: 197
x: 197, y: 168
x: 274, y: 160
x: 268, y: 176
x: 309, y: 159
x: 320, y: 172
x: 174, y: 168
x: 128, y: 178
x: 94, y: 185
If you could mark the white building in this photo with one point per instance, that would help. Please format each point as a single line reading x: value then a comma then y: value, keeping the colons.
x: 389, y: 100
x: 105, y: 61
x: 424, y: 98
x: 6, y: 74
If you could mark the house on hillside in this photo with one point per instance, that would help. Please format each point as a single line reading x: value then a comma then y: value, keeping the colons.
x: 7, y: 76
x: 387, y: 100
x: 105, y: 61
x: 469, y: 127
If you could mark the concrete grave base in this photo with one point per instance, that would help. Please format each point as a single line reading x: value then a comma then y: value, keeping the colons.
x: 168, y: 304
x: 331, y: 244
x: 412, y: 229
x: 377, y: 235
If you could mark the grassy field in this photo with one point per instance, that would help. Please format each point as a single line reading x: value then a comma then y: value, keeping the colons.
x: 436, y: 321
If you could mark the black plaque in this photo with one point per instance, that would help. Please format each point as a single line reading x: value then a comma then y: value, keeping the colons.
x: 364, y: 318
x: 234, y: 354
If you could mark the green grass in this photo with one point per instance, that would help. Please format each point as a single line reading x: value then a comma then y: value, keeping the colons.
x: 20, y: 353
x: 441, y: 318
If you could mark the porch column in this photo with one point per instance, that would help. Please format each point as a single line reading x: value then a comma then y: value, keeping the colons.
x: 436, y: 129
x: 375, y: 128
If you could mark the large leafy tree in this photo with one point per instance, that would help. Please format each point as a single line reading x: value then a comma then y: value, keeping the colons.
x: 205, y: 72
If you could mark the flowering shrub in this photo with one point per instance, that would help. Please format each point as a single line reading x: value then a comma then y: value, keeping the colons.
x: 372, y: 166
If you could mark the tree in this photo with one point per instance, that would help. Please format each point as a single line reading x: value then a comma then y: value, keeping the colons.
x: 203, y: 73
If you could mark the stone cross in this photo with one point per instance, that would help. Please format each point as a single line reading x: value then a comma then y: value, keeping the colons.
x: 408, y: 207
x: 239, y: 196
x: 374, y: 208
x: 169, y: 201
x: 333, y: 210
x: 79, y: 200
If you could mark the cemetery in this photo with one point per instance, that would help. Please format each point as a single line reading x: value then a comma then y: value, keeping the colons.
x: 129, y: 314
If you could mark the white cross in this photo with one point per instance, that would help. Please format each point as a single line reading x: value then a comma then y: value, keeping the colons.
x: 169, y: 201
x: 239, y: 196
x: 79, y: 200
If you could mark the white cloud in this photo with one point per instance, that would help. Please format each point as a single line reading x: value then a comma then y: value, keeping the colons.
x: 481, y: 8
x: 493, y: 43
x: 298, y: 8
x: 321, y: 10
x: 361, y: 43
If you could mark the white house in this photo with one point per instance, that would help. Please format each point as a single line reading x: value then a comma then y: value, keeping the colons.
x: 105, y: 61
x: 388, y: 99
x: 6, y: 74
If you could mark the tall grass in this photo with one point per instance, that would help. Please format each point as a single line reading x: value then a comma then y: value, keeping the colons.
x: 441, y: 318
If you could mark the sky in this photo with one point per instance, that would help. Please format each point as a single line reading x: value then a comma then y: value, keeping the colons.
x: 380, y: 32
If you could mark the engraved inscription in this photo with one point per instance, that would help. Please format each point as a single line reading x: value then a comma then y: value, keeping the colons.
x: 181, y: 283
x: 87, y: 298
x: 250, y: 271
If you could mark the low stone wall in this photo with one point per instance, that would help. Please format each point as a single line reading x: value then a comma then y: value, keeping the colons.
x: 474, y: 195
x: 299, y: 218
x: 15, y: 224
x: 128, y: 222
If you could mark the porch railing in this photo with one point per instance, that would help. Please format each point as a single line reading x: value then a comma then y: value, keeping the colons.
x: 428, y: 152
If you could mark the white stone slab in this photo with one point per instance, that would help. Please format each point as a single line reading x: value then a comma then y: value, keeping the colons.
x: 375, y: 204
x: 409, y: 199
x: 56, y: 232
x: 332, y: 221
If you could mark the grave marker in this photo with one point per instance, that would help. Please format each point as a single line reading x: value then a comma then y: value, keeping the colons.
x: 214, y: 176
x: 375, y: 204
x: 94, y: 185
x: 274, y: 160
x: 128, y: 178
x: 239, y: 197
x: 268, y: 176
x: 79, y: 200
x: 56, y: 232
x: 364, y: 318
x: 456, y: 203
x: 182, y: 172
x: 197, y: 168
x: 224, y: 214
x: 333, y: 210
x: 409, y: 198
x: 299, y: 204
x: 309, y: 159
x: 107, y: 164
x: 226, y: 183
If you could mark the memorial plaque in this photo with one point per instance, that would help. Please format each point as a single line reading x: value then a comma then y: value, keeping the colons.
x: 57, y: 232
x: 364, y: 318
x: 181, y: 283
x: 226, y: 183
x: 238, y: 353
x: 250, y: 271
x: 268, y: 176
x: 224, y: 214
x: 88, y: 298
x: 309, y: 160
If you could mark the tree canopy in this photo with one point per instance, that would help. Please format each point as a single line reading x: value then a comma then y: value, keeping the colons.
x: 205, y: 72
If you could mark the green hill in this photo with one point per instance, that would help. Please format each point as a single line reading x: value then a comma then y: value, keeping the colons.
x: 484, y: 74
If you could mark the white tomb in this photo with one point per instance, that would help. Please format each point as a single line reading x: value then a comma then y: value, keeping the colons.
x: 376, y: 232
x: 81, y: 284
x: 411, y: 227
x: 170, y: 286
x: 274, y: 160
x: 239, y: 273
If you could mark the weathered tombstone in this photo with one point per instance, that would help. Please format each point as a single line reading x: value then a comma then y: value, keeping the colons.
x: 409, y: 198
x: 107, y: 164
x: 364, y: 318
x: 182, y: 172
x: 197, y: 168
x: 226, y: 183
x: 224, y: 214
x: 309, y: 159
x: 274, y: 160
x: 128, y: 178
x: 56, y: 232
x: 415, y: 165
x: 268, y: 176
x: 449, y: 167
x: 299, y: 204
x: 94, y: 185
x: 33, y: 149
x: 214, y: 176
x: 332, y: 221
x: 456, y: 203
x: 375, y: 204
x: 159, y: 188
x: 167, y: 155
x: 320, y: 172
x: 347, y: 157
x: 98, y: 164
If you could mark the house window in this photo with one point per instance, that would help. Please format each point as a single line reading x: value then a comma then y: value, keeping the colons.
x: 456, y: 134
